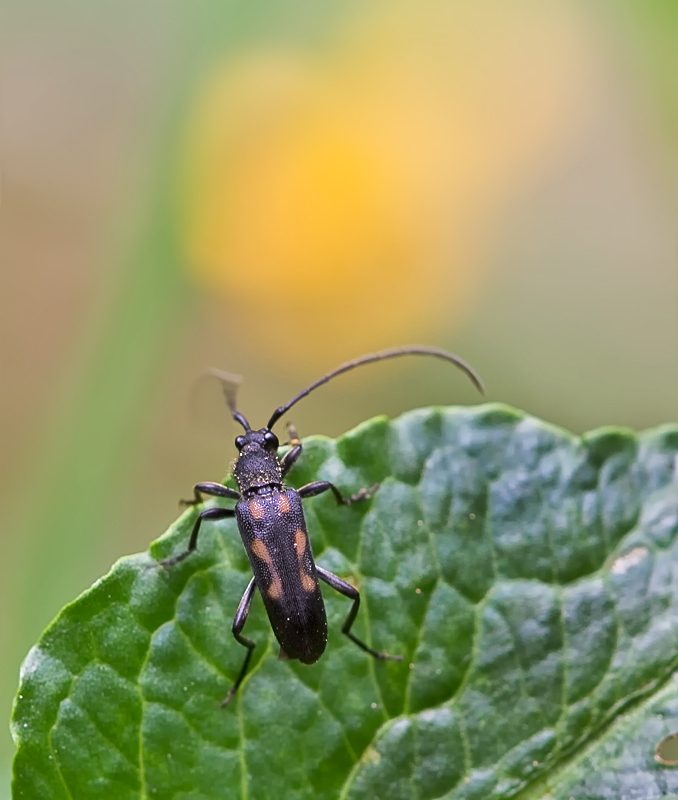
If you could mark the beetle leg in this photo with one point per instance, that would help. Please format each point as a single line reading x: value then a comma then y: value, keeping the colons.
x: 292, y: 433
x: 287, y: 461
x: 318, y: 487
x: 210, y: 513
x: 351, y: 592
x: 212, y: 489
x: 238, y: 624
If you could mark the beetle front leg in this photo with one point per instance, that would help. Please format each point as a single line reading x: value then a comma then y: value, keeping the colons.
x: 318, y: 487
x: 351, y: 592
x: 238, y: 624
x: 287, y: 461
x: 209, y: 513
x: 212, y: 489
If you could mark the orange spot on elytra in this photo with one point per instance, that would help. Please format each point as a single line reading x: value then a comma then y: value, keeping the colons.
x: 257, y: 510
x: 261, y: 551
x: 300, y: 545
x: 283, y: 504
x: 275, y: 589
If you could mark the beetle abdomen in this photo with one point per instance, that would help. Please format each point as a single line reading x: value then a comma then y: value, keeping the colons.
x: 274, y: 533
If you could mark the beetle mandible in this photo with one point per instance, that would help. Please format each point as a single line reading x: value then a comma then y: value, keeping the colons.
x: 271, y: 523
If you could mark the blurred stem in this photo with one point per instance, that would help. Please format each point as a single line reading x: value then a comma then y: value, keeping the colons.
x: 110, y: 373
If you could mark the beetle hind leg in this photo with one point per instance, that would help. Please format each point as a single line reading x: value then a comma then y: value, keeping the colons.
x: 238, y: 624
x: 351, y: 592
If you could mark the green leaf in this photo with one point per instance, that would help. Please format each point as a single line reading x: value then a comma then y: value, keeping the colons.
x: 529, y: 578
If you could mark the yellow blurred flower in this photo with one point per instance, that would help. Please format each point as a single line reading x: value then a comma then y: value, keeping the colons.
x: 349, y: 194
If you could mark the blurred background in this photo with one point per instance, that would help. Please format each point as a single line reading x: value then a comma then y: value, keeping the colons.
x: 274, y: 187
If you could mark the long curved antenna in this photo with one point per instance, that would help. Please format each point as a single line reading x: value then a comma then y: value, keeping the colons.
x: 229, y: 386
x: 395, y: 352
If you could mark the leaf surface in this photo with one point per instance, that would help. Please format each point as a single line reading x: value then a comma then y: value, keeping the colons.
x: 528, y: 577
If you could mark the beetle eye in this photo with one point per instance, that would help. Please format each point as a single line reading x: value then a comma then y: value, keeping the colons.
x: 239, y: 442
x: 271, y: 441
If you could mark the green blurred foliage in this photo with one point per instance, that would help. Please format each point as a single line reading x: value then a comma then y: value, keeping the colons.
x: 657, y: 22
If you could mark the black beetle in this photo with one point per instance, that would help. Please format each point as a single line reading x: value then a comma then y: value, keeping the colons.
x: 273, y: 530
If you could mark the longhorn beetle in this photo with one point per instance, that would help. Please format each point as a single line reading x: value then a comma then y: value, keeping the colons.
x: 273, y: 530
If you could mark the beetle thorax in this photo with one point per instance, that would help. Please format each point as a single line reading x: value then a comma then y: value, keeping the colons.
x: 257, y: 463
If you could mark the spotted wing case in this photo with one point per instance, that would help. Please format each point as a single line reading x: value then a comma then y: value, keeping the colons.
x: 273, y: 530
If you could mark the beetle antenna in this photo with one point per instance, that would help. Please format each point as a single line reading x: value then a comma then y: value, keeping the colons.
x: 229, y: 386
x: 395, y: 352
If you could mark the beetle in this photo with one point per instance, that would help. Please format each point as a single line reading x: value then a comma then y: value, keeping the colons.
x: 271, y: 522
